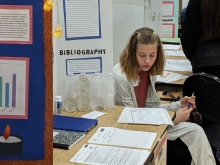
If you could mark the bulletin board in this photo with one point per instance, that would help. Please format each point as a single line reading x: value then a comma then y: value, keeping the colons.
x: 34, y: 129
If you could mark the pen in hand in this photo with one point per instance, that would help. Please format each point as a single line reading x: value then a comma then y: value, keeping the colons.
x: 189, y: 103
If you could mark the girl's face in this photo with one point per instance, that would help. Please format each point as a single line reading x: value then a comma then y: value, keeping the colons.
x: 146, y: 56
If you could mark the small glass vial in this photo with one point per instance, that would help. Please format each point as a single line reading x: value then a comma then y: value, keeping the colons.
x: 58, y: 105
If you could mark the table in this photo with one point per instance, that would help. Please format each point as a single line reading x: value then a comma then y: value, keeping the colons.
x: 175, y: 86
x: 62, y: 157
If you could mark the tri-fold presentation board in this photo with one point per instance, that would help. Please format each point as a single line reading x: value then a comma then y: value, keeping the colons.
x: 86, y: 44
x: 170, y: 18
x: 25, y: 97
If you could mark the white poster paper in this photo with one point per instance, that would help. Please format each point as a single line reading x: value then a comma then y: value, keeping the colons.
x: 168, y: 30
x: 16, y: 24
x: 82, y: 19
x: 168, y: 9
x: 130, y: 15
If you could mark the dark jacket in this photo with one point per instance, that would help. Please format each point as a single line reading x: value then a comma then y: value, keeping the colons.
x: 201, y: 52
x: 183, y: 12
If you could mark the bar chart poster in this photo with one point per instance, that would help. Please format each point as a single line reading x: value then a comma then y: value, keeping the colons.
x: 14, y: 73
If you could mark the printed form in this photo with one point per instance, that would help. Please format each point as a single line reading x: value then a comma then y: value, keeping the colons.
x: 174, y: 53
x: 178, y: 65
x: 155, y: 116
x: 120, y: 137
x: 109, y: 155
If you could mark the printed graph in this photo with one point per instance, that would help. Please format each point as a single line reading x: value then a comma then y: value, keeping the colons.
x: 14, y: 87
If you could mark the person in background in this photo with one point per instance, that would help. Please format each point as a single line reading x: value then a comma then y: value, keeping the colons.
x: 141, y: 60
x: 200, y: 36
x: 182, y: 16
x: 200, y: 39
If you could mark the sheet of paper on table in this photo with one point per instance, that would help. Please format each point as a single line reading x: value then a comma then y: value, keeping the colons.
x: 93, y: 115
x: 154, y: 116
x: 105, y: 155
x: 171, y: 47
x: 174, y: 53
x: 121, y: 137
x: 178, y: 65
x: 170, y: 76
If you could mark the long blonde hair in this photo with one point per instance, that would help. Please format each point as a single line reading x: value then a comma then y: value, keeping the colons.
x: 128, y: 60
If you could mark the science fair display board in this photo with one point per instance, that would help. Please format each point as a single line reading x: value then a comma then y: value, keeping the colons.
x: 129, y: 15
x: 170, y: 18
x: 25, y: 83
x: 86, y: 43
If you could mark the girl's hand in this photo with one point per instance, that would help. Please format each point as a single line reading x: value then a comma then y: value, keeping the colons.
x: 182, y: 114
x: 191, y: 100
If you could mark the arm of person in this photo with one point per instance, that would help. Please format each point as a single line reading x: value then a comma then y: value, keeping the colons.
x: 173, y: 106
x: 123, y: 92
x: 182, y: 109
x: 182, y: 115
x: 191, y: 28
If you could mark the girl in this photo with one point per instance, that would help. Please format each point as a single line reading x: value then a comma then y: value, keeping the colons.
x: 135, y: 76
